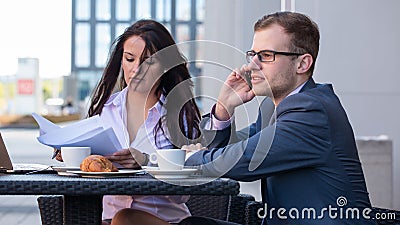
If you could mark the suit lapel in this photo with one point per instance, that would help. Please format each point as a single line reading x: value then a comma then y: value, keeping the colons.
x: 266, y: 110
x: 267, y: 117
x: 266, y: 113
x: 309, y: 85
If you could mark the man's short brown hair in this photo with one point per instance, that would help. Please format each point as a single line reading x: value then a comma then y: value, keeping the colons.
x: 303, y: 31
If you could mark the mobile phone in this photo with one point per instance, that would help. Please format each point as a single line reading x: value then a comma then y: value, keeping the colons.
x: 247, y: 78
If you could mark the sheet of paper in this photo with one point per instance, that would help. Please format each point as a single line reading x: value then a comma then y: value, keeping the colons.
x: 88, y: 132
x: 103, y: 143
x: 73, y: 131
x: 44, y: 124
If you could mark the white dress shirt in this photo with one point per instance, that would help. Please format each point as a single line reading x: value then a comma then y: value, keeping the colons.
x: 215, y: 124
x: 169, y: 208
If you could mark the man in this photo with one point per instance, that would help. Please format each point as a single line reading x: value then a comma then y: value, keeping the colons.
x: 305, y: 155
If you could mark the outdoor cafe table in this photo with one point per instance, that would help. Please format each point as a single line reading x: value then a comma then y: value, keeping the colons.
x: 81, y: 194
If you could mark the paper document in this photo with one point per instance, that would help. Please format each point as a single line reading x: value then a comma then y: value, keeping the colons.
x: 44, y: 124
x: 88, y: 132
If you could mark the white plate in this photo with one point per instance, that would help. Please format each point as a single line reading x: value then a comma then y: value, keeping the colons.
x: 64, y: 168
x: 170, y: 174
x: 120, y: 173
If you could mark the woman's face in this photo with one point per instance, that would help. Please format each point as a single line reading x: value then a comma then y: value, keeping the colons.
x: 141, y: 77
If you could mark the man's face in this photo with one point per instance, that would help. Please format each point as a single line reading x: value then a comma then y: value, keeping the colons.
x: 279, y: 75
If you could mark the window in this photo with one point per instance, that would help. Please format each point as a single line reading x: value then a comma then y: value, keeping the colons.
x: 103, y: 42
x: 82, y: 49
x: 123, y: 9
x: 103, y: 9
x: 163, y: 10
x: 82, y: 10
x: 143, y: 9
x: 96, y: 23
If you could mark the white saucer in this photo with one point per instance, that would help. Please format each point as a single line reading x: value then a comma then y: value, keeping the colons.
x: 64, y: 168
x: 169, y: 174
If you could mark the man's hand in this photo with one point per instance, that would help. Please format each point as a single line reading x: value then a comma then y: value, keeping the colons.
x: 192, y: 148
x: 234, y: 92
x: 128, y: 158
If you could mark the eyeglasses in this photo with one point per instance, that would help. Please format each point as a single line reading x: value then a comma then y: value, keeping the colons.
x: 267, y: 55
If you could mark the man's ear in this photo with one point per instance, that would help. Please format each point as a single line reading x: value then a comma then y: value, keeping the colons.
x: 304, y: 63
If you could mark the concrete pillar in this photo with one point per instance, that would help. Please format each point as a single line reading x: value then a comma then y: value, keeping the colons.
x: 376, y: 156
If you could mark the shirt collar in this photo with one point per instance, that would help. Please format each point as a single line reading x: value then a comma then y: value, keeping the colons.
x: 159, y: 105
x: 297, y: 90
x: 118, y: 99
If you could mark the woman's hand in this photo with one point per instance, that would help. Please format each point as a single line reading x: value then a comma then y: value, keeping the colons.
x: 128, y: 158
x: 58, y: 156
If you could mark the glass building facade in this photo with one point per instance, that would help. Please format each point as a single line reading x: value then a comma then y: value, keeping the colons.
x: 96, y: 23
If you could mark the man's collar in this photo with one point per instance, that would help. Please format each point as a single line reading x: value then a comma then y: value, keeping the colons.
x: 297, y: 90
x: 304, y: 86
x: 308, y: 85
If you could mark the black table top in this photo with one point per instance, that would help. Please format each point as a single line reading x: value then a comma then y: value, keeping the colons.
x: 53, y: 184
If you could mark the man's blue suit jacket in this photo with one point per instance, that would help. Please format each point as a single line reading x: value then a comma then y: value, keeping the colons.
x: 305, y: 153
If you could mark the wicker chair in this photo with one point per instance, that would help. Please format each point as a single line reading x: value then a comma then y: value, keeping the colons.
x: 228, y: 208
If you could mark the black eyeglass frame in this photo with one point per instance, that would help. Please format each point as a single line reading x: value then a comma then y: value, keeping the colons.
x: 251, y: 53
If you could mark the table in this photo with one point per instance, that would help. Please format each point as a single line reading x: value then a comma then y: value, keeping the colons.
x: 81, y: 193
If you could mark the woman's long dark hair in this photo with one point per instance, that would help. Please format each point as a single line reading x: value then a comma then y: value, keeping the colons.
x: 156, y: 38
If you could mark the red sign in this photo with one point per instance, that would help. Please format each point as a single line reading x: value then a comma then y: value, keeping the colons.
x: 25, y: 86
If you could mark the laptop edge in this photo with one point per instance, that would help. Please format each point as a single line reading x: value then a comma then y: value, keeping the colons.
x: 5, y: 161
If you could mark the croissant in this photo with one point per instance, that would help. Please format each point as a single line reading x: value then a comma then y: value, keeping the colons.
x: 97, y: 163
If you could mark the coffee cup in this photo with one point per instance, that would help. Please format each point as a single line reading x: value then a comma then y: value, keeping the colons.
x: 168, y: 159
x: 73, y: 156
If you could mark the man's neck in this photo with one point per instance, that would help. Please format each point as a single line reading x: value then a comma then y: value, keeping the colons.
x: 292, y: 92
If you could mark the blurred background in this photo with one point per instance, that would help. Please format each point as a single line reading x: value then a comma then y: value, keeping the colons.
x: 52, y: 54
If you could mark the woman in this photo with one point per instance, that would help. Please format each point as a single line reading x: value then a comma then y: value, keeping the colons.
x: 143, y: 116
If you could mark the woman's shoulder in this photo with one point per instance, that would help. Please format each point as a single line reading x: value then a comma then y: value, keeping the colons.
x: 116, y: 98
